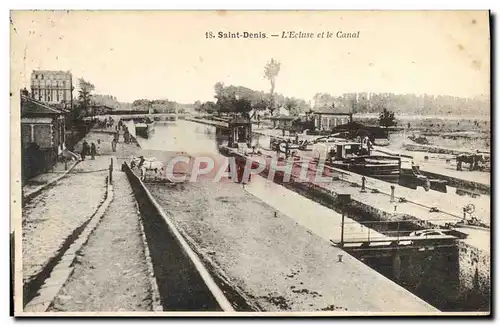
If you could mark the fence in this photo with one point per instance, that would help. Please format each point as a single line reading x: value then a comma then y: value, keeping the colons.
x: 183, y: 282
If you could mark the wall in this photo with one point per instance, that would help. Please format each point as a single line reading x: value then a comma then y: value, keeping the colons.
x: 180, y: 284
x: 475, y: 276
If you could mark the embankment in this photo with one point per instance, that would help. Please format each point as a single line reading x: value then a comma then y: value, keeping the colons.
x: 183, y: 282
x: 473, y: 272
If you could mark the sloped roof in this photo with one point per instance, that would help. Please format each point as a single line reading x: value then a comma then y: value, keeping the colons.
x: 332, y: 111
x: 282, y: 117
x: 32, y: 107
x: 281, y: 111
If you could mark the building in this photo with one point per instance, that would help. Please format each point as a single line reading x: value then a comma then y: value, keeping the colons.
x: 52, y: 87
x: 283, y: 122
x: 330, y: 117
x: 282, y: 111
x: 42, y: 135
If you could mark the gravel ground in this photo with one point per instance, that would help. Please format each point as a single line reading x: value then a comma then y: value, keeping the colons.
x: 111, y: 272
x: 276, y: 262
x: 52, y: 216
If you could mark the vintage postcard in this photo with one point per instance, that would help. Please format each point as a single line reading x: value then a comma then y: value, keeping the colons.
x: 258, y: 163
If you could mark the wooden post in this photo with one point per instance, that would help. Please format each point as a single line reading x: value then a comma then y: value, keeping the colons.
x: 392, y: 193
x: 342, y: 230
x: 111, y: 171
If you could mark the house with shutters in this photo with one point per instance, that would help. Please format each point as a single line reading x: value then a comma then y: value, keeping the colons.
x: 42, y: 135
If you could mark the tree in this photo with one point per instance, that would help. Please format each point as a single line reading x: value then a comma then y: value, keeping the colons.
x: 271, y: 71
x: 387, y: 118
x: 323, y: 100
x: 208, y: 107
x: 197, y: 106
x: 84, y: 96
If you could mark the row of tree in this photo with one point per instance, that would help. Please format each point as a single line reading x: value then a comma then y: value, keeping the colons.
x: 243, y: 100
x: 404, y: 103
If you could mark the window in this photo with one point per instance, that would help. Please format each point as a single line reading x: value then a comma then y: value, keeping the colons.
x: 36, y: 76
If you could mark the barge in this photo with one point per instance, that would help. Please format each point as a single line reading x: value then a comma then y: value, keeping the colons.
x: 351, y: 156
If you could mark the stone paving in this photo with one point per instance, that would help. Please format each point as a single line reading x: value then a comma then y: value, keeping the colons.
x: 111, y: 272
x: 52, y: 216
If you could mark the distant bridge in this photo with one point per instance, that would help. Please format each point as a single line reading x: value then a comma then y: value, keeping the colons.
x: 152, y: 116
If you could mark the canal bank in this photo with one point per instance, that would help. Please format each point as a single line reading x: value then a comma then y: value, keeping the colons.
x: 459, y: 275
x: 267, y: 257
x: 470, y: 279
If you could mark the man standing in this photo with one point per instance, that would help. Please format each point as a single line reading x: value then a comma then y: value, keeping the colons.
x: 113, y: 144
x: 93, y: 151
x: 85, y: 149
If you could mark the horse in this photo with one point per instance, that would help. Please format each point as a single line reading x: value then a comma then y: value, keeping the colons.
x: 148, y: 164
x: 473, y: 160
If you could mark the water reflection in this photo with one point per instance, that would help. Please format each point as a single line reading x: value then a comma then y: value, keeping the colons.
x: 192, y: 138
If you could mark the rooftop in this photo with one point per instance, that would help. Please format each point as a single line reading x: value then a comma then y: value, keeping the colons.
x: 283, y: 117
x: 32, y: 107
x: 51, y: 72
x: 332, y: 111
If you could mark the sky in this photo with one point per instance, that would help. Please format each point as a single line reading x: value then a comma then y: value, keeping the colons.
x: 166, y: 55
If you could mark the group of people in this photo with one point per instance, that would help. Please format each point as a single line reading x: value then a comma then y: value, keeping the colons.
x: 127, y: 137
x: 90, y: 150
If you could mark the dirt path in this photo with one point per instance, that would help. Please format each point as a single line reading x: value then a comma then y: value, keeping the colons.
x: 111, y: 272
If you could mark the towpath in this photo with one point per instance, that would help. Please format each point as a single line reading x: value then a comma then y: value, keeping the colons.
x: 111, y: 273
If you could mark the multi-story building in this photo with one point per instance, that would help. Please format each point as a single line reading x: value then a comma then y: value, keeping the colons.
x: 52, y: 87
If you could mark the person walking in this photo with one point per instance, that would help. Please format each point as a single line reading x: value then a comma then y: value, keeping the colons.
x: 98, y: 148
x: 93, y: 151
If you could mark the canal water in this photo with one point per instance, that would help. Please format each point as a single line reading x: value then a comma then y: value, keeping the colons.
x: 435, y: 279
x: 198, y: 139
